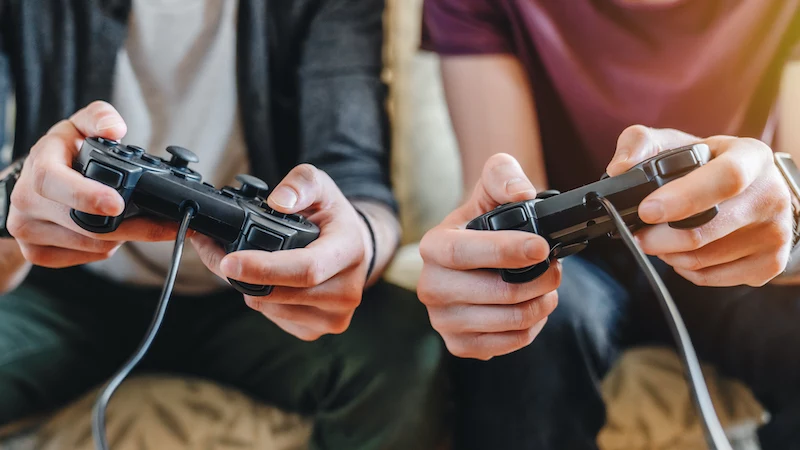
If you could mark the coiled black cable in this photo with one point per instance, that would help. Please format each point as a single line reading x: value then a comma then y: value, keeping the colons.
x: 715, y: 435
x: 99, y: 410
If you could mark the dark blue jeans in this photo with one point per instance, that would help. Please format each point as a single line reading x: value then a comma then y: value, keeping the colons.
x: 546, y: 396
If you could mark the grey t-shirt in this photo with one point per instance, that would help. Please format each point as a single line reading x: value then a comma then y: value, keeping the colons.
x: 175, y: 84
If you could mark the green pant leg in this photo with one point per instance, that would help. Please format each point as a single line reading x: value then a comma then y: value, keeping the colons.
x: 376, y: 386
x: 54, y: 348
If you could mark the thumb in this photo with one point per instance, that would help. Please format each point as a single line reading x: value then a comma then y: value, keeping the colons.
x: 502, y: 181
x: 99, y: 119
x: 305, y: 186
x: 638, y: 143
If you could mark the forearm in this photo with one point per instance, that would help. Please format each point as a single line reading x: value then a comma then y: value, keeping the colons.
x: 13, y: 266
x: 492, y: 108
x: 789, y: 142
x: 386, y: 228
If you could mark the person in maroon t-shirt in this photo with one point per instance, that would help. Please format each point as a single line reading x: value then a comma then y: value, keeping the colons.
x: 568, y: 90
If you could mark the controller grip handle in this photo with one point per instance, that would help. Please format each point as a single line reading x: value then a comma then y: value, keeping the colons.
x: 519, y: 276
x: 93, y: 223
x: 695, y: 221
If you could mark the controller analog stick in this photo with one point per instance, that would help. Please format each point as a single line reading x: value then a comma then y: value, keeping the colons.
x: 181, y: 157
x: 252, y: 187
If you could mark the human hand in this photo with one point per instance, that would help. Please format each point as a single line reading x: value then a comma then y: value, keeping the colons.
x: 748, y: 242
x: 48, y: 187
x: 317, y: 288
x: 478, y: 314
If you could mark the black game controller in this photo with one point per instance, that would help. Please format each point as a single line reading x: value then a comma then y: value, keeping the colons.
x: 570, y: 220
x: 239, y: 219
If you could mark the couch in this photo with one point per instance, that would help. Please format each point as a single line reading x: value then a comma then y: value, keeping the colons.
x: 649, y: 406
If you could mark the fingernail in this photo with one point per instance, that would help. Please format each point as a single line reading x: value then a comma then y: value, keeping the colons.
x: 108, y: 122
x: 284, y: 196
x: 651, y: 211
x: 533, y: 250
x: 516, y: 186
x: 230, y: 267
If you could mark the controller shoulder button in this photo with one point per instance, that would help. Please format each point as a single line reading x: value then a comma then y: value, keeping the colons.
x: 264, y: 240
x: 675, y: 164
x: 104, y: 174
x: 509, y: 220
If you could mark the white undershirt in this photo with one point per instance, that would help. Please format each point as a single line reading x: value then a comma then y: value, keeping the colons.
x: 175, y: 84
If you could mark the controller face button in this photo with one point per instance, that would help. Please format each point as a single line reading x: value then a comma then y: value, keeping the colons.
x: 509, y: 220
x: 677, y: 163
x: 92, y: 220
x: 264, y: 240
x: 122, y: 151
x: 139, y: 151
x: 150, y: 159
x: 104, y: 174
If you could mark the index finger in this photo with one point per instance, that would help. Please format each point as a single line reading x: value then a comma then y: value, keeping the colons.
x: 301, y: 268
x: 737, y: 164
x: 62, y: 184
x: 472, y: 249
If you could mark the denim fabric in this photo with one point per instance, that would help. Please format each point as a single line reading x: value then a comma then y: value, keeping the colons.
x: 546, y: 396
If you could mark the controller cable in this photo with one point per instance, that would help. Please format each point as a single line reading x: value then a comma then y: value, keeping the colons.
x: 714, y: 433
x: 100, y: 405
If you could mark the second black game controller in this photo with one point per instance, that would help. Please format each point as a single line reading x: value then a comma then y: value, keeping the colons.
x: 570, y: 220
x: 237, y: 218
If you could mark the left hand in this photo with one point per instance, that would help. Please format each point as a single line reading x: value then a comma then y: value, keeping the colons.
x: 317, y: 288
x: 748, y: 242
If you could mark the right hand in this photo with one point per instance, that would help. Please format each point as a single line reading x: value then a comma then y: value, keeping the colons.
x: 48, y: 187
x: 478, y: 314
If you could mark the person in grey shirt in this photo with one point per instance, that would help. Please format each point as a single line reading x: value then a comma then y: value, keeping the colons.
x: 289, y: 91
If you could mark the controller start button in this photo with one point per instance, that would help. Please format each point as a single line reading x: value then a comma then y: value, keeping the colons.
x: 264, y: 240
x: 675, y: 164
x: 509, y: 220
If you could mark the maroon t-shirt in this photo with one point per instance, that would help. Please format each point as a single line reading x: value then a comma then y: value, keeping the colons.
x: 706, y: 67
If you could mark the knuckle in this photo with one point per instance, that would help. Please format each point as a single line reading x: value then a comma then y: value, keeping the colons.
x: 700, y: 278
x: 37, y: 255
x: 314, y: 273
x: 775, y: 264
x: 695, y: 238
x: 339, y: 324
x: 637, y: 132
x: 427, y: 246
x: 528, y: 314
x: 778, y: 233
x: 694, y: 262
x: 452, y: 251
x: 308, y: 335
x: 737, y: 177
x: 464, y: 346
x: 428, y: 288
x: 548, y: 303
x: 524, y: 338
x: 39, y: 178
x: 507, y: 293
x: 18, y: 227
x: 22, y: 198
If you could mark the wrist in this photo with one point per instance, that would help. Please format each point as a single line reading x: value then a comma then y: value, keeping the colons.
x: 370, y: 244
x: 386, y: 229
x: 13, y: 265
